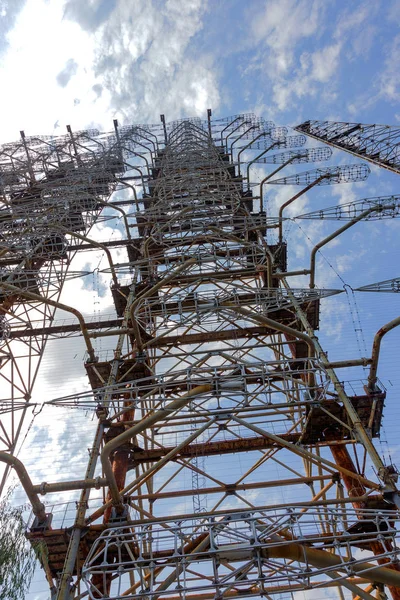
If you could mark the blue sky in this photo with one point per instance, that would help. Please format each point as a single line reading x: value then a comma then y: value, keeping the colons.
x: 85, y: 63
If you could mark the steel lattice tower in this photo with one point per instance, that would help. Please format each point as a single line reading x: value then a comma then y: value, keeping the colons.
x: 217, y: 377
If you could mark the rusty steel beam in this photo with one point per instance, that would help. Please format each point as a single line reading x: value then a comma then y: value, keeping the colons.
x: 247, y: 444
x: 232, y: 488
x: 376, y: 346
x: 52, y: 330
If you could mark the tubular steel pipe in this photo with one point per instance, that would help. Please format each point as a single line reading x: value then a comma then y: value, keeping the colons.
x: 148, y: 139
x: 240, y: 137
x: 140, y: 156
x: 236, y: 487
x: 295, y: 197
x: 197, y: 545
x: 359, y: 592
x: 239, y: 118
x: 353, y: 486
x: 14, y: 462
x: 77, y: 529
x: 273, y: 173
x: 276, y: 589
x: 124, y: 182
x: 233, y: 131
x: 61, y: 306
x: 277, y: 143
x: 209, y: 113
x: 276, y: 325
x: 178, y: 135
x: 263, y: 134
x: 369, y: 588
x: 119, y: 209
x: 133, y: 168
x: 201, y: 547
x: 284, y: 329
x: 323, y: 559
x: 334, y: 502
x: 376, y: 346
x: 66, y: 486
x: 135, y: 430
x: 292, y: 273
x: 162, y: 119
x: 148, y: 150
x: 341, y: 364
x: 333, y: 235
x: 268, y: 254
x: 97, y: 244
x: 356, y: 488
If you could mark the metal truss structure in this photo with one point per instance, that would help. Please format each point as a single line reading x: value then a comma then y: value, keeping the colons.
x: 326, y: 176
x: 251, y: 553
x: 382, y: 207
x: 216, y: 388
x: 380, y: 144
x: 389, y: 285
x: 52, y: 193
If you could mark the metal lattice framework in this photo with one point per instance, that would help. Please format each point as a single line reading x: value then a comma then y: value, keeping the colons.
x: 215, y: 388
x: 278, y: 137
x: 380, y: 144
x: 252, y: 553
x: 389, y: 285
x: 52, y: 192
x: 326, y: 176
x: 383, y: 207
x: 309, y: 155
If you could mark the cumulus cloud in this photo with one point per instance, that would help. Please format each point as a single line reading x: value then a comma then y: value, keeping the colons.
x: 9, y: 10
x: 89, y: 14
x: 303, y: 59
x: 98, y: 89
x: 389, y: 81
x: 146, y: 59
x: 64, y: 76
x: 386, y: 86
x: 283, y: 60
x: 325, y: 62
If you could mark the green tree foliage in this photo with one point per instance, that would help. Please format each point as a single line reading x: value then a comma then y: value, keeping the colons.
x: 17, y: 557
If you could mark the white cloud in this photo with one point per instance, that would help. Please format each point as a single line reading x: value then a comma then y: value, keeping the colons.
x: 300, y: 18
x: 293, y: 72
x: 90, y: 14
x: 36, y: 56
x: 393, y: 13
x: 68, y: 71
x: 130, y: 60
x: 325, y: 62
x: 8, y: 14
x: 143, y: 59
x: 346, y: 193
x: 389, y: 81
x: 350, y: 20
x: 301, y: 53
